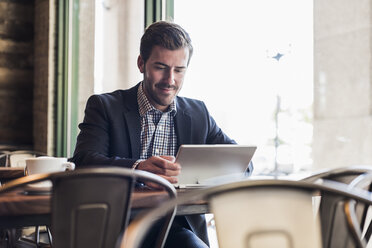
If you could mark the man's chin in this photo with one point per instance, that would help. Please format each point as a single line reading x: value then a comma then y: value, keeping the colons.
x: 165, y: 103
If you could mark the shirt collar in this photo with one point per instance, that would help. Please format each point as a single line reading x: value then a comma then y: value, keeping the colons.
x: 145, y: 106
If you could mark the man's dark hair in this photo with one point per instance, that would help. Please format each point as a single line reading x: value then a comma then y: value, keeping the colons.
x: 167, y: 35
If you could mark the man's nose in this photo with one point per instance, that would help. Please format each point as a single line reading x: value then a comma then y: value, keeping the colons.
x: 170, y: 77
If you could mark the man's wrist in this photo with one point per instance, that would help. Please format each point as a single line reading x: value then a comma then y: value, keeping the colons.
x: 135, y: 165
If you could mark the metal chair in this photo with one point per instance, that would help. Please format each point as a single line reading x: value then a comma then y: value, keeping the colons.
x: 343, y: 174
x: 334, y: 226
x: 256, y: 213
x: 3, y: 157
x: 360, y: 231
x: 91, y: 207
x: 17, y: 158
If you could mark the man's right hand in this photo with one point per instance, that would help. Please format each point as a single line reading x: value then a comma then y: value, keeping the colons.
x: 163, y: 166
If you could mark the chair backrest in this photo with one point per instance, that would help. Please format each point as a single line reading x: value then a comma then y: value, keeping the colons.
x: 360, y: 229
x: 334, y: 227
x: 3, y: 158
x: 17, y: 158
x: 91, y: 207
x: 343, y: 174
x: 265, y: 217
x: 256, y: 213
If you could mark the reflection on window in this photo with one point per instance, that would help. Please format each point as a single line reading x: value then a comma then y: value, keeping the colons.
x: 253, y: 67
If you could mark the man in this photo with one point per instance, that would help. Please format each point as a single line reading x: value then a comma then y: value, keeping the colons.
x: 143, y: 127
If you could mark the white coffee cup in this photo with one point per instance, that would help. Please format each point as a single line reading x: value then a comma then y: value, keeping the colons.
x: 47, y: 165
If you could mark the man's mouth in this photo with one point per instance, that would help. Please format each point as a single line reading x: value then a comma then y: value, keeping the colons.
x: 166, y: 87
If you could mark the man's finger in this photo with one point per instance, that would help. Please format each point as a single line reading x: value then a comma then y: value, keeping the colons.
x: 151, y: 166
x: 170, y: 179
x: 164, y: 163
x: 157, y: 186
x: 170, y: 158
x: 162, y: 171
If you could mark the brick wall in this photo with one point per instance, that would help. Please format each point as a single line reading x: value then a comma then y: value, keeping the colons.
x: 24, y: 74
x: 41, y: 76
x: 16, y: 72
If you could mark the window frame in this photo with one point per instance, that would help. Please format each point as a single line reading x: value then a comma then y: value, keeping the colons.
x: 67, y: 90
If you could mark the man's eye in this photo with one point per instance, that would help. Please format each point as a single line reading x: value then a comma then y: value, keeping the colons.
x: 159, y: 68
x: 179, y: 70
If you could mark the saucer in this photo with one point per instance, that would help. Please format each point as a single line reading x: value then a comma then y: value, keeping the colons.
x: 39, y: 191
x: 43, y: 188
x: 45, y: 184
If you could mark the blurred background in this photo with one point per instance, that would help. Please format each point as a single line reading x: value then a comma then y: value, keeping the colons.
x: 292, y: 77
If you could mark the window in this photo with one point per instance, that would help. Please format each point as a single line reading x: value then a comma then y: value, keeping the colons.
x: 253, y: 67
x: 322, y: 81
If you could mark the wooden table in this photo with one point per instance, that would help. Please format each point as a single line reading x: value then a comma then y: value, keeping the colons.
x: 18, y: 209
x: 9, y: 173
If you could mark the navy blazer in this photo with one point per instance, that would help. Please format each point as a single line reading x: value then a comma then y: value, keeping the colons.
x: 110, y: 134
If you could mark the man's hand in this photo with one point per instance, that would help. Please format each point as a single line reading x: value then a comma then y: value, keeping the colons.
x: 163, y: 166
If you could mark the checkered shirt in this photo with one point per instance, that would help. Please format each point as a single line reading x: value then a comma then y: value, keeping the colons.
x: 158, y: 135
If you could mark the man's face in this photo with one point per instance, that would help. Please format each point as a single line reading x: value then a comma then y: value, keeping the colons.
x: 163, y: 75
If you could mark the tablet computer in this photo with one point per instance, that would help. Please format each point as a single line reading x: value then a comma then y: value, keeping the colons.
x: 205, y: 165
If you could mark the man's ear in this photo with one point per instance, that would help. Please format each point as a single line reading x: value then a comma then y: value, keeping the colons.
x: 141, y: 64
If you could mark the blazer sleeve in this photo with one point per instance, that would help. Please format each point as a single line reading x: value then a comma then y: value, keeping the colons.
x: 93, y: 141
x: 215, y: 134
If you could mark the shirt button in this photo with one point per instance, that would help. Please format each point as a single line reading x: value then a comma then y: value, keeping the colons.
x: 157, y: 150
x: 160, y: 128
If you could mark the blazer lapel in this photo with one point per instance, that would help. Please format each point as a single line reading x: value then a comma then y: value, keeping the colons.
x: 183, y: 127
x: 132, y: 118
x: 133, y: 121
x: 134, y: 125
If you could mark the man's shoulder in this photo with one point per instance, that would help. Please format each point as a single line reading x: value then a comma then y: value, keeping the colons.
x: 113, y: 95
x: 186, y: 103
x: 116, y: 96
x: 120, y: 93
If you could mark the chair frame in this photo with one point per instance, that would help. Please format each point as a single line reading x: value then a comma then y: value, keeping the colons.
x: 139, y: 227
x: 347, y: 175
x: 7, y: 155
x: 102, y: 171
x: 355, y: 228
x: 355, y: 170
